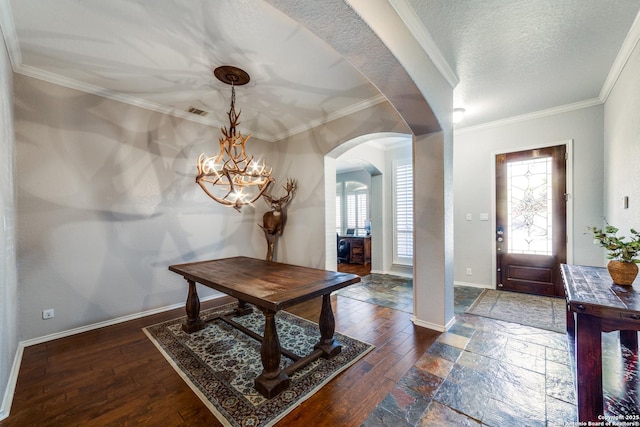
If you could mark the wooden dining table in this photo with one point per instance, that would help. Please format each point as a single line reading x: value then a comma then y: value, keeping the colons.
x: 271, y: 287
x: 595, y: 305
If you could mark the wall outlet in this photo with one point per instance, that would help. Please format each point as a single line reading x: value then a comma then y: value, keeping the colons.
x: 48, y: 313
x: 468, y: 271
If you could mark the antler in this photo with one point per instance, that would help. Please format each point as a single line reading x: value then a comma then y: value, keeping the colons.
x: 290, y: 188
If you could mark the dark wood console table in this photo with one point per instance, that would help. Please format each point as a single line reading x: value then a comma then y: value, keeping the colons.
x: 270, y: 286
x: 595, y: 305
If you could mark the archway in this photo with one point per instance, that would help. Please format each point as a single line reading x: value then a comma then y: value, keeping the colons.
x: 375, y: 40
x: 375, y: 153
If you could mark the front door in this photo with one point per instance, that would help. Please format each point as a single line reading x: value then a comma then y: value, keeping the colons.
x: 531, y: 221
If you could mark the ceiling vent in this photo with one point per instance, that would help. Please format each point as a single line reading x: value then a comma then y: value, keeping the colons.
x: 197, y: 111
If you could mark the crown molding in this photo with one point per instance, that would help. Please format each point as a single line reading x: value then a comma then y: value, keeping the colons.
x: 70, y: 83
x: 354, y: 108
x: 629, y: 44
x: 531, y: 116
x: 408, y: 15
x: 59, y: 80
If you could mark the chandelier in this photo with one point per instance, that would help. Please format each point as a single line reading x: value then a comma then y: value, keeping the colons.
x: 231, y: 177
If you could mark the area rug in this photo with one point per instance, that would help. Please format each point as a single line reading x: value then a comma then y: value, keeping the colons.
x: 531, y: 310
x: 220, y: 363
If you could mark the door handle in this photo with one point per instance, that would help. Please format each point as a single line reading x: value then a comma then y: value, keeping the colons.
x: 499, y: 240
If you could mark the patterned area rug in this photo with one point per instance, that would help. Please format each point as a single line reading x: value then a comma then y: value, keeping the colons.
x: 220, y: 363
x: 531, y: 310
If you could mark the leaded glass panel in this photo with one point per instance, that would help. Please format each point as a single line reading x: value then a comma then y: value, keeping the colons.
x: 529, y: 207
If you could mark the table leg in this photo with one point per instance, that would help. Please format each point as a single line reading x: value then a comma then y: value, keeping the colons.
x: 194, y: 323
x: 329, y: 346
x: 629, y: 339
x: 589, y: 367
x: 272, y: 380
x: 242, y: 309
x: 571, y: 325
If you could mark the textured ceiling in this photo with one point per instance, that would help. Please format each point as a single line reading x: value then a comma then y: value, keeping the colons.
x: 515, y: 57
x: 507, y: 57
x: 161, y: 53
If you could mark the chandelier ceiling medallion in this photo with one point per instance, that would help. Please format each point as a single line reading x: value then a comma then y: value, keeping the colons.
x: 231, y: 177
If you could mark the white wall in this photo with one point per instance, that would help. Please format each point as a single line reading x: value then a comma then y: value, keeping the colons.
x: 473, y: 185
x: 8, y: 281
x: 107, y: 201
x: 622, y: 149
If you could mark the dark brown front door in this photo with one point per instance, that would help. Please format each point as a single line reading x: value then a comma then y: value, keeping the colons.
x: 531, y: 220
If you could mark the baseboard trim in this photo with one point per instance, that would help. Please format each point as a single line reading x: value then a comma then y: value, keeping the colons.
x: 17, y: 360
x: 11, y: 383
x: 394, y: 273
x: 427, y: 325
x: 473, y: 285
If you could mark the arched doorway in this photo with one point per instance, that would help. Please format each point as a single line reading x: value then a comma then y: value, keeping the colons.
x: 411, y: 81
x: 375, y: 155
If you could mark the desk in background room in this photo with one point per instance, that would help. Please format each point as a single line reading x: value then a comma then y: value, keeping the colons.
x: 359, y: 249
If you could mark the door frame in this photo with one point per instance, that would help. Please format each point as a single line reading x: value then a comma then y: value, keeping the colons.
x: 569, y: 213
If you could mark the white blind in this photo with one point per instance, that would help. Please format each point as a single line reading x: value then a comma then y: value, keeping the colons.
x: 338, y: 214
x: 361, y: 213
x: 351, y: 210
x: 357, y: 211
x: 403, y: 203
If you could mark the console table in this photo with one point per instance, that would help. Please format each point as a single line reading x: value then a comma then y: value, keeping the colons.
x: 270, y: 286
x: 595, y: 305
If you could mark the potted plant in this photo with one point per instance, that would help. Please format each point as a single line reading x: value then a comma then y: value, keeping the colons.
x: 623, y: 254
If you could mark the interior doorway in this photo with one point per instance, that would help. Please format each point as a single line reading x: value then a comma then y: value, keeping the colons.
x: 372, y: 154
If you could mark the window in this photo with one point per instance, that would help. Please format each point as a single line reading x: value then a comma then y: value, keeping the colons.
x: 403, y: 212
x: 352, y: 207
x: 529, y: 206
x: 356, y: 193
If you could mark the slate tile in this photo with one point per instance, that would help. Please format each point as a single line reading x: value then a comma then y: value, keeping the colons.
x: 383, y: 418
x: 405, y: 404
x: 439, y: 415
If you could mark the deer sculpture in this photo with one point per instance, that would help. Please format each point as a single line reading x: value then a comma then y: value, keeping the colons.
x: 273, y: 221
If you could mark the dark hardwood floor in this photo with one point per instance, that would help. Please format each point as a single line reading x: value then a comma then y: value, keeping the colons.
x: 359, y: 269
x: 115, y: 375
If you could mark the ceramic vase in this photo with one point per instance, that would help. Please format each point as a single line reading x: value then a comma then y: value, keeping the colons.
x: 622, y: 273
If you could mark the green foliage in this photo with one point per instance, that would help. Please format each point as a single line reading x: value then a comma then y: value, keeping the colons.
x: 618, y: 249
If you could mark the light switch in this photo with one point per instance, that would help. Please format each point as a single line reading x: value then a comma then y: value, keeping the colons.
x: 484, y: 217
x: 469, y: 217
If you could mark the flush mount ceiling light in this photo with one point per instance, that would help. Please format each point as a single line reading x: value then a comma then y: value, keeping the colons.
x: 232, y: 178
x: 458, y: 113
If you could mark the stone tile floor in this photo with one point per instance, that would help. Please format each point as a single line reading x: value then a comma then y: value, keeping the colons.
x: 383, y: 289
x: 484, y: 371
